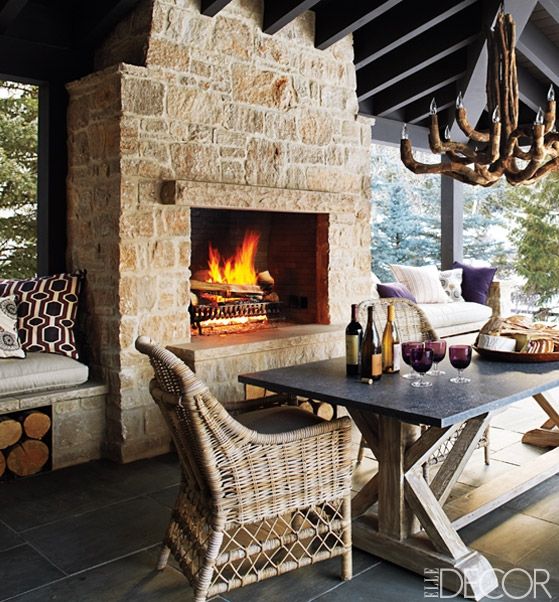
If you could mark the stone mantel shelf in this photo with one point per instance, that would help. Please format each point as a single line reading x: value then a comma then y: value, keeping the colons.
x: 245, y: 196
x: 259, y: 341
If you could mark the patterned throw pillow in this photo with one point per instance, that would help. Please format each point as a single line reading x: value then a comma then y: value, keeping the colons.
x: 9, y: 341
x: 451, y: 281
x: 46, y: 312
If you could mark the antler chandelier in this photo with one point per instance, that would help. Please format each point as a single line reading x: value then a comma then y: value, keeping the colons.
x: 498, y: 151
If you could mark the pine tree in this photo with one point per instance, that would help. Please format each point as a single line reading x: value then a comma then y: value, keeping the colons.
x: 18, y: 180
x: 536, y: 212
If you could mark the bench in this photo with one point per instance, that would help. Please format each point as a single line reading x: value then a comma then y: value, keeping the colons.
x: 76, y: 403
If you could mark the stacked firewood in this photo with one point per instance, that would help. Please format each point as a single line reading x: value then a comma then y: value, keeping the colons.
x: 22, y: 449
x: 530, y: 337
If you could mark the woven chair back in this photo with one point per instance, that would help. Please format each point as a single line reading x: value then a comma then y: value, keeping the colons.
x: 412, y: 323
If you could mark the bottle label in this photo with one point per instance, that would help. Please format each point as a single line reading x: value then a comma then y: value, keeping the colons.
x: 352, y: 349
x: 396, y: 356
x: 376, y: 364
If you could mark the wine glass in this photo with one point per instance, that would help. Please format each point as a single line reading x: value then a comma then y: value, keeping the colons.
x: 460, y: 357
x: 406, y: 356
x: 421, y: 361
x: 439, y: 351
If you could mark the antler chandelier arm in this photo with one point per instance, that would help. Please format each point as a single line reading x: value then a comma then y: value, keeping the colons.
x: 501, y: 152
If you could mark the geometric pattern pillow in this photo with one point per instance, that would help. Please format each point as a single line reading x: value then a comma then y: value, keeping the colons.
x: 9, y: 341
x: 451, y: 281
x: 46, y: 312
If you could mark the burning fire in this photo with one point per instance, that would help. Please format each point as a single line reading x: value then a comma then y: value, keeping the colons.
x: 238, y: 269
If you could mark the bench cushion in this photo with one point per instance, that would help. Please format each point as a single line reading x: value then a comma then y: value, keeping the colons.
x: 40, y: 372
x: 451, y: 314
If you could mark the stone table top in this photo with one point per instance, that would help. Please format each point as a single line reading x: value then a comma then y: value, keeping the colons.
x: 493, y: 385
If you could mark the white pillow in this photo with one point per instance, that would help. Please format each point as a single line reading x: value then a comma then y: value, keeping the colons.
x: 422, y: 282
x: 451, y: 281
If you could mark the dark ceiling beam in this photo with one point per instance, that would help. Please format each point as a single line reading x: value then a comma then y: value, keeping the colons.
x: 450, y: 69
x: 428, y: 48
x: 210, y: 8
x: 389, y: 131
x: 532, y: 92
x: 97, y: 19
x: 473, y: 85
x: 32, y: 61
x: 399, y: 26
x: 9, y: 11
x: 419, y: 110
x: 542, y: 53
x: 552, y: 8
x: 279, y: 14
x: 336, y: 20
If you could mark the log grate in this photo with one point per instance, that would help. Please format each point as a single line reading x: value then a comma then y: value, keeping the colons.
x: 202, y: 314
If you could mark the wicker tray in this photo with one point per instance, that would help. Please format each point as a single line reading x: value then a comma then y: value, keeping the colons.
x: 516, y: 356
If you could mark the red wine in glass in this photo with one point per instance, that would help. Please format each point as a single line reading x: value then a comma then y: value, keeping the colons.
x: 460, y: 357
x: 421, y: 362
x: 439, y: 351
x: 406, y: 356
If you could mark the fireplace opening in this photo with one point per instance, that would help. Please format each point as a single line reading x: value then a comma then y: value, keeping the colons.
x: 256, y: 269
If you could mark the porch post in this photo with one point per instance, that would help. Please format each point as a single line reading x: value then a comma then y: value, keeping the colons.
x: 452, y: 221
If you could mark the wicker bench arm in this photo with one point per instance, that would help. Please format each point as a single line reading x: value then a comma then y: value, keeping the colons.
x: 271, y: 474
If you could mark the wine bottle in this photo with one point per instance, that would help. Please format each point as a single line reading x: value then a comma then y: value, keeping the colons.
x: 391, y: 344
x: 371, y: 351
x: 353, y: 340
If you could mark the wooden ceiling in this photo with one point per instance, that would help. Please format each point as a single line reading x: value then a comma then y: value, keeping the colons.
x: 406, y: 51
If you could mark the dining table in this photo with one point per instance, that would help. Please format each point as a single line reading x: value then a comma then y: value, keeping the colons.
x: 399, y: 515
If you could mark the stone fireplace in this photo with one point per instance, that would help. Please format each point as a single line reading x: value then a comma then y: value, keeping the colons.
x: 191, y: 127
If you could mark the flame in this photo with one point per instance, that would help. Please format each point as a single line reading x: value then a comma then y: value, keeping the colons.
x: 238, y: 269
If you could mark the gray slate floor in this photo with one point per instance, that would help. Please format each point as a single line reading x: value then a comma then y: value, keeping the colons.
x: 91, y: 534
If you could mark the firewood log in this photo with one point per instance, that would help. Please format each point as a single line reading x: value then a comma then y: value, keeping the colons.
x: 10, y: 432
x: 2, y: 464
x: 28, y: 457
x: 36, y: 425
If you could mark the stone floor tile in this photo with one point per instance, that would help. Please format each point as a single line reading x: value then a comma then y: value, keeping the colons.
x: 48, y: 497
x: 81, y: 542
x: 8, y: 537
x: 303, y: 584
x: 518, y: 453
x: 23, y: 568
x: 166, y: 496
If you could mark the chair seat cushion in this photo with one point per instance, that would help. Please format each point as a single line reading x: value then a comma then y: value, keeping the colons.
x: 40, y: 372
x: 450, y: 314
x: 276, y: 420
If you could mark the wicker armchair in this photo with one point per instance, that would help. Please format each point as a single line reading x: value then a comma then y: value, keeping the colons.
x: 413, y: 325
x: 253, y: 502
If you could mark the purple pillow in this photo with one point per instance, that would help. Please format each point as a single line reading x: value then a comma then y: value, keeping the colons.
x: 475, y: 282
x: 394, y: 289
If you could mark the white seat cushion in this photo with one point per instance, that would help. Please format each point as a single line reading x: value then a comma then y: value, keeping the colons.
x: 451, y: 314
x: 40, y: 372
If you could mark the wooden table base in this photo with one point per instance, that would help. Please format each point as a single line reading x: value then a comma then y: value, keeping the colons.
x: 411, y: 528
x: 548, y: 434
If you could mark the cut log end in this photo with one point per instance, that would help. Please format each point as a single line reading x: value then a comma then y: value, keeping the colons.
x: 28, y: 457
x: 36, y: 425
x: 10, y: 432
x: 2, y: 464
